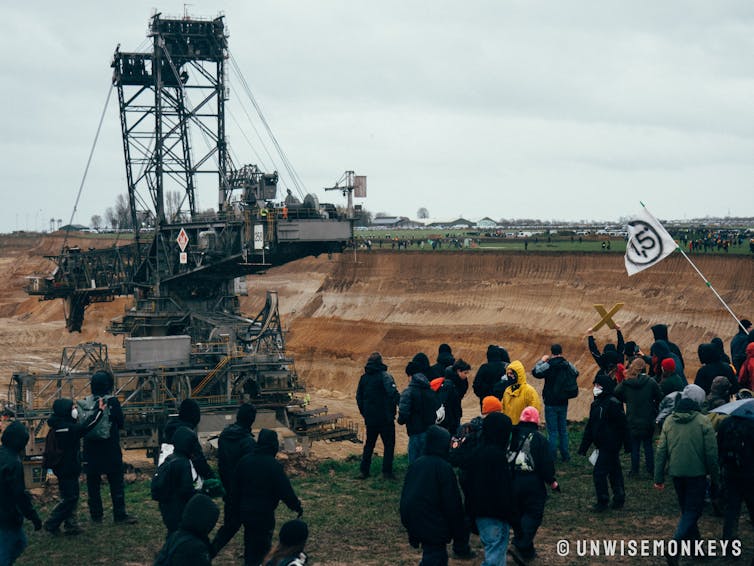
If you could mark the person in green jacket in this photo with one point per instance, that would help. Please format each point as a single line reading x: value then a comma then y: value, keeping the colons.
x: 689, y: 449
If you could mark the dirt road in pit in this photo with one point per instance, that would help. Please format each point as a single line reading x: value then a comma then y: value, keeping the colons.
x: 339, y: 310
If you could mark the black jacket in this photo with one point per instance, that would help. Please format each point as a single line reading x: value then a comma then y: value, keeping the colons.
x: 376, y: 395
x: 180, y: 478
x: 598, y: 356
x: 738, y: 348
x: 461, y: 385
x: 444, y: 359
x: 431, y: 508
x: 418, y: 404
x: 197, y: 454
x: 261, y: 484
x: 15, y: 501
x: 68, y: 434
x: 537, y: 453
x: 660, y: 332
x: 606, y: 427
x: 659, y: 351
x: 487, y: 479
x: 489, y: 374
x: 448, y: 397
x: 552, y: 371
x: 709, y: 355
x: 103, y: 455
x: 189, y: 545
x: 234, y: 443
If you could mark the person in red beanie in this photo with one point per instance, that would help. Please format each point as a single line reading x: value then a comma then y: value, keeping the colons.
x: 670, y: 381
x: 533, y: 468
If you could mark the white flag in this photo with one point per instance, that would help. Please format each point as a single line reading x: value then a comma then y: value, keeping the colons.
x: 648, y: 242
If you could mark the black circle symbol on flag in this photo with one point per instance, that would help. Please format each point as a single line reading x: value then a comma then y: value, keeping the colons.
x: 646, y: 245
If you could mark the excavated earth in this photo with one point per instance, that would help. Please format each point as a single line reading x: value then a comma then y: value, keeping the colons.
x: 337, y: 310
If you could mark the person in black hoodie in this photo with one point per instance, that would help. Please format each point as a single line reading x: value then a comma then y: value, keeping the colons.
x: 377, y: 398
x: 430, y: 507
x: 189, y: 415
x: 235, y: 442
x: 103, y: 456
x: 68, y: 434
x: 458, y: 373
x: 260, y: 485
x: 189, y: 545
x: 532, y: 468
x: 417, y: 406
x: 445, y: 359
x: 712, y: 366
x: 619, y: 349
x: 660, y: 332
x: 15, y: 501
x: 180, y: 479
x: 491, y: 510
x: 659, y: 351
x: 607, y: 430
x: 489, y: 374
x: 738, y: 343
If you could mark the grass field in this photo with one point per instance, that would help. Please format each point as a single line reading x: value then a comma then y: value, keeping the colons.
x: 357, y: 522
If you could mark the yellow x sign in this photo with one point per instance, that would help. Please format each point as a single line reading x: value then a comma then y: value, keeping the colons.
x: 607, y: 317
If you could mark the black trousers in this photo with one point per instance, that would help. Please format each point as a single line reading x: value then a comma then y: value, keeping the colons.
x: 64, y: 511
x: 387, y: 433
x: 117, y: 494
x: 608, y: 467
x: 257, y: 542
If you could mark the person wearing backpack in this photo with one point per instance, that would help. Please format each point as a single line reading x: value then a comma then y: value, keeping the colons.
x: 103, y: 455
x: 189, y: 545
x: 532, y: 468
x: 260, y: 485
x: 377, y: 398
x: 735, y: 448
x: 235, y: 442
x: 15, y: 501
x: 189, y: 415
x: 173, y: 482
x: 418, y: 404
x: 560, y: 386
x: 64, y: 458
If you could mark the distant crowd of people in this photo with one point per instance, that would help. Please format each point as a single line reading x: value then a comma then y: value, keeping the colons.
x: 705, y: 444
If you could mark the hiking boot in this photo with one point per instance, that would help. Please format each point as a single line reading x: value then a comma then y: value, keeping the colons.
x: 126, y: 520
x: 53, y: 531
x: 362, y: 476
x: 389, y: 476
x: 599, y: 507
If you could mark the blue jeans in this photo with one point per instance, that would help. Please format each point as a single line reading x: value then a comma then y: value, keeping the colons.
x: 494, y: 536
x: 690, y: 492
x: 416, y: 446
x: 649, y: 456
x: 12, y: 544
x: 557, y: 430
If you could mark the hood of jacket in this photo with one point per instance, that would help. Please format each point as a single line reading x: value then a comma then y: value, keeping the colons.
x: 15, y: 436
x: 189, y: 412
x: 61, y: 412
x: 183, y: 440
x: 374, y: 366
x: 518, y: 368
x: 200, y: 515
x: 708, y: 353
x: 437, y: 442
x: 660, y: 349
x: 101, y: 383
x: 496, y: 429
x: 660, y: 332
x: 685, y: 411
x: 445, y: 359
x: 267, y: 442
x: 419, y: 380
x: 636, y: 382
x: 606, y: 382
x: 436, y: 383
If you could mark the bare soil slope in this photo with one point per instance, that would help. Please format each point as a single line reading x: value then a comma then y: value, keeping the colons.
x: 339, y: 310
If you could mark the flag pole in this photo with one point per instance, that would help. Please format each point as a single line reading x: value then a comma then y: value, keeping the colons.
x: 706, y: 281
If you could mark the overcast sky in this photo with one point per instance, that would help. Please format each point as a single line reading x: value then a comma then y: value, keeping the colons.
x: 552, y: 110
